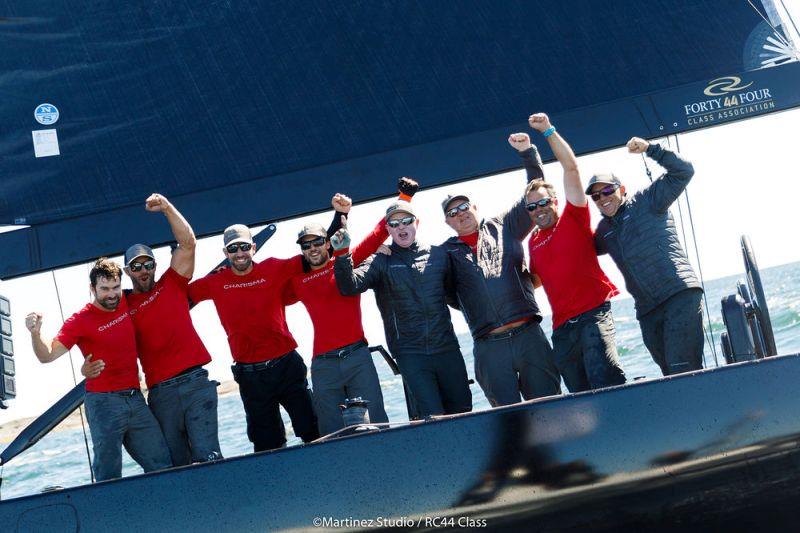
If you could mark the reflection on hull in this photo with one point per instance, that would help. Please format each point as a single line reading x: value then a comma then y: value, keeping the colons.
x: 716, y: 448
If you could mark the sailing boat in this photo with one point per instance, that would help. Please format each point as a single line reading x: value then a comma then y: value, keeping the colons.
x: 238, y: 110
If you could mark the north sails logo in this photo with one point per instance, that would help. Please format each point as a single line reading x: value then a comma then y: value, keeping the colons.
x: 114, y: 322
x: 732, y: 100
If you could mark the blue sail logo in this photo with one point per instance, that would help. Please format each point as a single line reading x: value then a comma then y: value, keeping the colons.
x: 728, y: 84
x: 46, y: 114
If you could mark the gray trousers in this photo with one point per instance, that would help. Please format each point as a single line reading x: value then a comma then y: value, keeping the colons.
x: 334, y: 380
x: 514, y: 362
x: 186, y: 409
x: 118, y: 419
x: 585, y: 351
x: 673, y: 332
x: 438, y: 382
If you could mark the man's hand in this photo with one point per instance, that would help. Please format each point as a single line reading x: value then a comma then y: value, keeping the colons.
x: 91, y: 369
x: 341, y: 239
x: 383, y: 249
x: 637, y: 145
x: 540, y: 122
x: 519, y: 141
x: 156, y: 203
x: 34, y: 323
x: 341, y: 203
x: 407, y: 186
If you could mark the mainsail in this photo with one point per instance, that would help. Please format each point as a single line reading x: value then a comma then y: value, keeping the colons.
x: 254, y: 112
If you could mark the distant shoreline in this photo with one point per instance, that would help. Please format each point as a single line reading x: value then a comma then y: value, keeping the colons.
x: 12, y: 428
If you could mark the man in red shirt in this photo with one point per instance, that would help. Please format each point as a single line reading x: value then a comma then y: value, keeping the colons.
x: 180, y: 395
x: 115, y: 407
x: 342, y: 365
x: 249, y: 301
x: 564, y: 262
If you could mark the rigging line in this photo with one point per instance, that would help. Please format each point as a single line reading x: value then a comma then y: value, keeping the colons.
x: 74, y: 379
x: 774, y: 29
x: 699, y: 266
x: 791, y: 19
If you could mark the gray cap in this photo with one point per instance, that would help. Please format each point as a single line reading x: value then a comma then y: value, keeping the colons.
x: 237, y: 233
x: 400, y: 206
x: 450, y: 198
x: 609, y: 179
x: 311, y: 229
x: 138, y: 250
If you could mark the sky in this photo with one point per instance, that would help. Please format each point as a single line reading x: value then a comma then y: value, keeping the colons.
x: 746, y: 182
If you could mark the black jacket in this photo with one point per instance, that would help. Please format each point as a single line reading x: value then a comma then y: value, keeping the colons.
x: 411, y: 288
x: 642, y: 240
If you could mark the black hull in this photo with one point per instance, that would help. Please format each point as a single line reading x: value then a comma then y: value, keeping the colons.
x: 710, y: 450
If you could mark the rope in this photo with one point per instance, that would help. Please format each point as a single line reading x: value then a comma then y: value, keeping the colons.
x: 699, y: 266
x: 74, y: 380
x: 774, y: 29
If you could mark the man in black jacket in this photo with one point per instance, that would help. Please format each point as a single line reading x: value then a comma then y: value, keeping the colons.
x: 411, y: 289
x: 495, y: 292
x: 639, y: 234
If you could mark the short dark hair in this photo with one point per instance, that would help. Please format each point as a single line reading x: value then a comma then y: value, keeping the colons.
x: 538, y: 184
x: 104, y: 268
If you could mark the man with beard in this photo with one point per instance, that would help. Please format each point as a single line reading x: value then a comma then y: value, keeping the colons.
x: 495, y: 293
x: 115, y: 407
x: 249, y: 298
x: 180, y: 395
x: 411, y: 288
x: 563, y: 261
x: 639, y: 234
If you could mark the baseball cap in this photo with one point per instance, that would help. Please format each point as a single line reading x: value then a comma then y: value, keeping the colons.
x: 138, y: 250
x: 236, y: 233
x: 312, y: 229
x: 451, y: 197
x: 609, y: 179
x: 400, y: 206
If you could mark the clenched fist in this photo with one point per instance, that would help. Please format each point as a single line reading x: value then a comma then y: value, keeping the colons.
x: 637, y: 145
x: 519, y: 141
x: 34, y: 322
x: 341, y: 203
x: 156, y: 203
x: 540, y: 122
x: 407, y: 186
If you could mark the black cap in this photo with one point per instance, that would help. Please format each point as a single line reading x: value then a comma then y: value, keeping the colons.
x: 609, y: 179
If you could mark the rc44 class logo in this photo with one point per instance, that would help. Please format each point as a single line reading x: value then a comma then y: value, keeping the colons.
x: 46, y: 114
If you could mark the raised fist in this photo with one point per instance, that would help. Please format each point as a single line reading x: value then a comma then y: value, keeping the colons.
x: 407, y: 186
x: 34, y: 322
x: 92, y: 369
x: 637, y: 145
x: 341, y: 239
x: 519, y: 141
x: 156, y: 203
x: 341, y: 203
x: 540, y: 122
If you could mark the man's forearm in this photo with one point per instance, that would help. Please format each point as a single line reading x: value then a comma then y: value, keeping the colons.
x: 532, y: 163
x: 563, y: 152
x: 42, y: 349
x: 181, y: 229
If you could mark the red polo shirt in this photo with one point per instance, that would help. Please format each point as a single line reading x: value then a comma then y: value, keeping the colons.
x: 336, y: 318
x: 251, y: 307
x: 565, y: 259
x: 168, y: 343
x: 108, y: 336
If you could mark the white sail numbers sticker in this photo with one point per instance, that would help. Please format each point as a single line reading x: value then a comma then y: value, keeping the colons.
x: 45, y: 143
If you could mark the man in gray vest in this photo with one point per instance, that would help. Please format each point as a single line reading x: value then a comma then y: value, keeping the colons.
x: 639, y: 234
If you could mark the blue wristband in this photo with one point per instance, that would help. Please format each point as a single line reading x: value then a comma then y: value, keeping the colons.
x: 549, y: 131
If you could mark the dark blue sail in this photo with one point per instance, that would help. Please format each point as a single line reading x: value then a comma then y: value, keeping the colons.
x: 253, y: 112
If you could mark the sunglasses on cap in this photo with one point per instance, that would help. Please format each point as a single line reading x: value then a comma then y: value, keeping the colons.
x: 235, y: 247
x: 608, y: 190
x: 404, y: 221
x: 136, y: 266
x: 460, y: 207
x: 307, y: 245
x: 544, y: 202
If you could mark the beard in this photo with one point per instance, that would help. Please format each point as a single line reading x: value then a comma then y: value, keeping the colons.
x: 241, y: 266
x: 110, y: 303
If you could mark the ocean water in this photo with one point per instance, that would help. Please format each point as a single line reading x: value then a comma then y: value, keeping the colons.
x: 61, y: 458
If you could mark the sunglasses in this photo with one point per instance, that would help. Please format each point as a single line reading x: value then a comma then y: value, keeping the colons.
x: 605, y: 191
x: 404, y: 221
x: 544, y: 202
x: 307, y: 245
x: 235, y: 247
x: 137, y: 266
x: 460, y: 207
